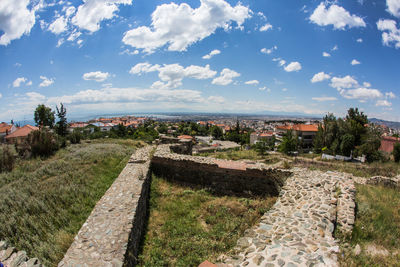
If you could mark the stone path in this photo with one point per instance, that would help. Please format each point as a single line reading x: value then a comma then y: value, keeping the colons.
x: 104, y: 237
x: 297, y: 230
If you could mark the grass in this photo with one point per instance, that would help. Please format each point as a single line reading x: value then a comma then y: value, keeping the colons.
x: 187, y: 226
x: 377, y: 227
x: 250, y: 154
x: 44, y: 202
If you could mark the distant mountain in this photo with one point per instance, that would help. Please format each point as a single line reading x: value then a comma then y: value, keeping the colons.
x: 390, y: 124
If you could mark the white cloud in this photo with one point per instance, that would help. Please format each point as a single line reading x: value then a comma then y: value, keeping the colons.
x: 29, y: 83
x: 359, y: 40
x: 268, y: 51
x: 335, y: 15
x: 324, y: 98
x: 19, y: 81
x: 335, y: 48
x: 261, y: 15
x: 319, y: 77
x: 46, y: 81
x: 1, y: 95
x: 355, y: 62
x: 216, y: 99
x: 390, y: 95
x: 325, y: 54
x: 361, y: 93
x: 129, y: 52
x: 72, y: 37
x: 366, y: 84
x: 282, y: 62
x: 97, y: 76
x: 211, y: 54
x: 293, y: 66
x: 171, y: 75
x: 92, y: 12
x: 226, y: 77
x: 179, y: 26
x: 344, y: 82
x: 383, y: 103
x: 17, y: 64
x: 391, y: 34
x: 393, y: 7
x: 284, y: 89
x: 266, y: 27
x: 252, y: 82
x: 59, y: 25
x: 15, y: 19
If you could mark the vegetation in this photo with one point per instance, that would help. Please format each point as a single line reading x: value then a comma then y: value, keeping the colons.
x: 42, y: 143
x: 187, y: 226
x: 62, y: 124
x: 376, y: 229
x: 44, y: 202
x: 396, y: 152
x: 289, y: 143
x: 44, y: 116
x: 7, y: 158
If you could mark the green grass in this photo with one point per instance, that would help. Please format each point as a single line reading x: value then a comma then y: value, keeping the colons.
x: 187, y: 226
x: 44, y: 202
x: 377, y: 226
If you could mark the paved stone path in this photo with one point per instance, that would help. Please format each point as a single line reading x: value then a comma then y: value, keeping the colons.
x: 103, y: 238
x: 297, y: 230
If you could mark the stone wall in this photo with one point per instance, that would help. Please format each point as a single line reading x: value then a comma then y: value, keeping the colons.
x: 220, y: 176
x: 112, y: 233
x: 10, y: 257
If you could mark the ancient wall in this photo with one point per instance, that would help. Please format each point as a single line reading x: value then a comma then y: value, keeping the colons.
x: 221, y: 176
x: 10, y: 257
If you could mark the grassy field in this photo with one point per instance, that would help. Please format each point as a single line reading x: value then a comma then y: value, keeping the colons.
x: 44, y: 202
x: 242, y: 154
x: 187, y: 226
x: 376, y: 230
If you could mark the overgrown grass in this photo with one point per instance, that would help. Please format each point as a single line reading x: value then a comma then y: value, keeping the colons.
x: 187, y: 226
x: 250, y: 154
x: 377, y: 228
x: 44, y: 202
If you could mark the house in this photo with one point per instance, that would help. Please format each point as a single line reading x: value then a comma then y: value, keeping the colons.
x: 305, y: 132
x: 387, y: 143
x: 76, y: 125
x: 256, y: 137
x: 6, y: 129
x: 20, y: 134
x: 104, y: 127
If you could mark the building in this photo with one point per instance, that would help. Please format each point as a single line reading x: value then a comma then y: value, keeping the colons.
x: 256, y: 137
x: 387, y: 143
x: 305, y: 132
x: 6, y: 129
x: 20, y: 134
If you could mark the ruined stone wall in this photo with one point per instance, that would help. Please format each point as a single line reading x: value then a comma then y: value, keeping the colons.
x: 220, y: 176
x: 10, y: 257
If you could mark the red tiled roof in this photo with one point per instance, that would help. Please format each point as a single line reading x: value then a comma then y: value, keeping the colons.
x: 4, y: 127
x: 300, y: 127
x: 185, y: 137
x: 23, y: 131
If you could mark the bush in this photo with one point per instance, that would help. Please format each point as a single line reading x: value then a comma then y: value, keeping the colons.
x: 43, y: 143
x: 75, y: 137
x: 7, y: 158
x: 396, y: 152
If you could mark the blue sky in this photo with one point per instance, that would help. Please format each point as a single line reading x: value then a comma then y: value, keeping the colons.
x: 122, y: 56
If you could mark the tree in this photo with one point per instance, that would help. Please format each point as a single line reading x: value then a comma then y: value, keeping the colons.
x: 44, y: 116
x: 396, y: 152
x: 216, y: 132
x: 289, y: 143
x: 62, y: 125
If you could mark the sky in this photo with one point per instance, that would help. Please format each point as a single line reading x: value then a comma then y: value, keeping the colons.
x: 249, y: 56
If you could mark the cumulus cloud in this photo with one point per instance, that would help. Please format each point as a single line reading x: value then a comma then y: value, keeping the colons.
x: 252, y: 82
x: 355, y: 62
x: 171, y: 75
x: 59, y: 25
x: 282, y: 62
x: 92, y: 12
x: 19, y: 81
x: 268, y: 51
x: 97, y: 76
x: 324, y: 98
x: 16, y: 19
x: 335, y: 15
x: 393, y: 7
x: 359, y: 40
x: 129, y: 52
x: 383, y: 103
x: 343, y: 82
x: 179, y: 26
x: 216, y: 99
x: 390, y: 32
x: 226, y: 77
x: 361, y: 93
x: 366, y: 84
x: 390, y: 95
x: 46, y: 81
x: 325, y: 54
x: 211, y: 54
x: 266, y: 27
x: 293, y: 66
x: 320, y: 76
x: 1, y: 95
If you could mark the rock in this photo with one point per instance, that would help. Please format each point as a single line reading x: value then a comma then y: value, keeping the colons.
x: 258, y: 259
x: 357, y: 250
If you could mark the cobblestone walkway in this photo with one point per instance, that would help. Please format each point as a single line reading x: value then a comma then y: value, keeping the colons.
x: 297, y: 230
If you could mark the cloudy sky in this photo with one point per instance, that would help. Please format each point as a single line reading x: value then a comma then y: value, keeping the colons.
x: 108, y: 56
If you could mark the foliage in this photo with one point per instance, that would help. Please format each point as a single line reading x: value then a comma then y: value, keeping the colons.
x: 42, y: 143
x: 75, y: 137
x: 289, y: 143
x: 217, y: 132
x: 187, y: 225
x: 44, y: 202
x: 396, y: 152
x: 61, y: 125
x: 7, y: 158
x: 44, y: 116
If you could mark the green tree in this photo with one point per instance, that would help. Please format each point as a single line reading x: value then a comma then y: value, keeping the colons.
x: 44, y: 116
x: 216, y: 132
x: 396, y: 152
x: 289, y: 143
x: 62, y: 125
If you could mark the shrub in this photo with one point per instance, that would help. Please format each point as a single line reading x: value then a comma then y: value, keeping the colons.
x: 7, y: 158
x: 396, y: 152
x: 75, y: 137
x: 43, y: 143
